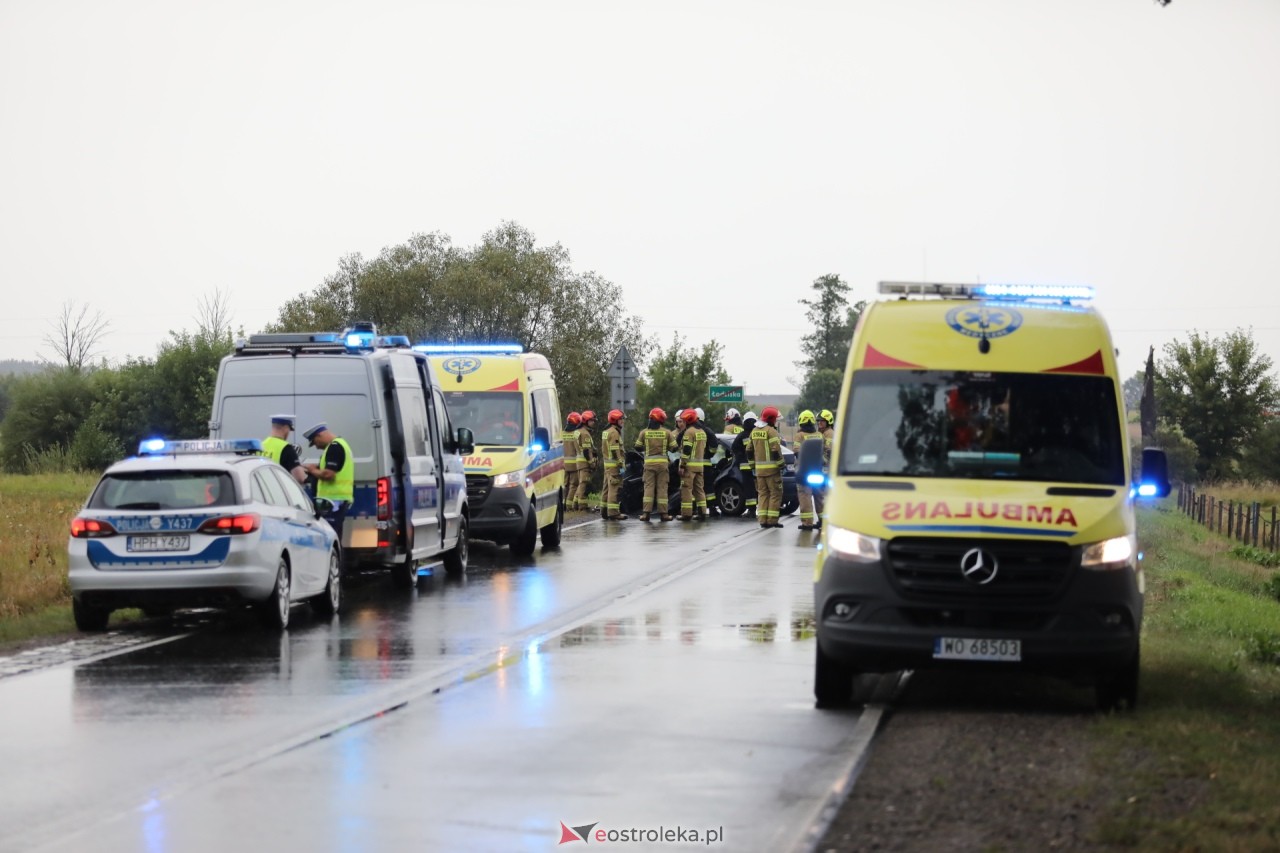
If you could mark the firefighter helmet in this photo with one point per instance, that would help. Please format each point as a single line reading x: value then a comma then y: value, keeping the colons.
x: 806, y: 417
x: 688, y: 416
x: 588, y: 415
x: 574, y: 419
x: 615, y: 416
x: 731, y: 414
x: 656, y: 414
x: 701, y: 414
x: 826, y: 415
x: 769, y: 414
x: 749, y: 416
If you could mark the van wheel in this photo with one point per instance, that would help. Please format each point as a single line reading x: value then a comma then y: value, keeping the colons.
x: 729, y: 494
x: 274, y: 612
x: 832, y: 682
x: 89, y: 618
x: 405, y: 572
x: 455, y: 559
x: 329, y: 602
x: 551, y: 533
x: 1117, y: 689
x: 528, y: 540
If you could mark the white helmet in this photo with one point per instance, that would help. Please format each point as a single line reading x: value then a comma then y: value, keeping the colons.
x: 679, y: 412
x: 701, y: 414
x: 750, y: 416
x: 731, y: 414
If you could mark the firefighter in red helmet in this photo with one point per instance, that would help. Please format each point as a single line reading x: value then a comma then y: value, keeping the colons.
x: 764, y: 449
x: 614, y: 462
x: 655, y: 442
x: 587, y: 460
x: 692, y: 463
x: 572, y: 457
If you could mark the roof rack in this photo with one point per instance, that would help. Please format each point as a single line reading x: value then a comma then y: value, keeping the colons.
x: 1065, y: 294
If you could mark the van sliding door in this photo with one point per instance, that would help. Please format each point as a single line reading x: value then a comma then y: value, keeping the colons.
x: 417, y: 473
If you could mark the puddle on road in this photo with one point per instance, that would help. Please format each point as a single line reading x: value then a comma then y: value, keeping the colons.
x: 685, y: 626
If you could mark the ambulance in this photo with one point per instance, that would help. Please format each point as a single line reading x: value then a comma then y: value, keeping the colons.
x: 979, y: 505
x: 515, y: 476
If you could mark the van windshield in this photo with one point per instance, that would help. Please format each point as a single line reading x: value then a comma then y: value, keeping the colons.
x: 1016, y: 426
x: 494, y: 417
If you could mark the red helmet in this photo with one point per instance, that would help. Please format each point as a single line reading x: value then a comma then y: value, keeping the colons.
x: 658, y: 415
x: 588, y: 415
x: 769, y: 415
x: 688, y: 416
x: 574, y: 419
x: 615, y: 416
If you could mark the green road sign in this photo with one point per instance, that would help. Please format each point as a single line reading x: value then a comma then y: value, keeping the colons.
x: 724, y: 394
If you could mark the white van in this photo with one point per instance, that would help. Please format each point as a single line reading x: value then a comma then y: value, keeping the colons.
x: 410, y: 503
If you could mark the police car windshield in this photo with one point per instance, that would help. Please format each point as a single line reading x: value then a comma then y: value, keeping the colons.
x: 1014, y: 426
x: 494, y: 417
x: 157, y: 490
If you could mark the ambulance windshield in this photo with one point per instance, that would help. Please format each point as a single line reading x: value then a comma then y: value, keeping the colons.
x: 494, y: 417
x: 1015, y: 426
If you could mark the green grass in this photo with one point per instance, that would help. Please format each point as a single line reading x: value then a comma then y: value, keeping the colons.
x: 35, y: 511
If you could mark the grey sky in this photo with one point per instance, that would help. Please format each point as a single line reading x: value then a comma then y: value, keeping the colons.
x: 712, y: 158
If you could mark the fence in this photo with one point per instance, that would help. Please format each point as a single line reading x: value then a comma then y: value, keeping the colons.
x: 1243, y: 522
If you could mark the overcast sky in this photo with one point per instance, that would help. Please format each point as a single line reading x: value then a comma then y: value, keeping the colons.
x: 711, y: 158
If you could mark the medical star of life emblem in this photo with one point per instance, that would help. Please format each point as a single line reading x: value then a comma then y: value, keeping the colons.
x: 459, y: 365
x: 984, y: 321
x: 576, y: 833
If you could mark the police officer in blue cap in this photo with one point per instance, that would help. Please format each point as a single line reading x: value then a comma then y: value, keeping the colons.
x: 277, y: 447
x: 335, y: 475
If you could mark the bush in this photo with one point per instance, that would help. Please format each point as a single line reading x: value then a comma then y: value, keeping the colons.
x: 46, y: 411
x: 93, y: 450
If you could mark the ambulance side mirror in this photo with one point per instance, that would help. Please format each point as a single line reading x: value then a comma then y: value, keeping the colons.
x: 465, y: 443
x: 809, y: 465
x: 1155, y: 474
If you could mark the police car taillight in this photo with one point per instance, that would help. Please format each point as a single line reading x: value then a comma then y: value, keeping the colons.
x: 384, y: 498
x: 232, y: 525
x: 90, y: 528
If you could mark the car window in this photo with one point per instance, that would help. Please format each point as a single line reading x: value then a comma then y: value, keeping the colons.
x: 271, y: 488
x: 163, y: 490
x: 292, y: 491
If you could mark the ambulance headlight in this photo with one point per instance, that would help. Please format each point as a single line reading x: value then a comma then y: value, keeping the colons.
x: 1117, y: 553
x: 854, y: 546
x: 509, y: 480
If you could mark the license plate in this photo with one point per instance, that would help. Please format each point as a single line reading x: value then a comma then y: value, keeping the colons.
x: 970, y: 648
x: 159, y: 543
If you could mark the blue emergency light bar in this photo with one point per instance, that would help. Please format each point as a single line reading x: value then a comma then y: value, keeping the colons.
x: 160, y: 447
x: 1065, y: 293
x: 469, y: 349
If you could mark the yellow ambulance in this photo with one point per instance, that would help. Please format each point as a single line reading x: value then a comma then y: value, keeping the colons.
x: 515, y: 476
x: 979, y: 506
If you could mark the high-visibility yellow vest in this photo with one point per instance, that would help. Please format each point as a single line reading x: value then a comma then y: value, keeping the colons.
x: 693, y: 448
x: 655, y: 443
x: 571, y: 455
x: 273, y: 448
x: 343, y: 485
x: 611, y: 447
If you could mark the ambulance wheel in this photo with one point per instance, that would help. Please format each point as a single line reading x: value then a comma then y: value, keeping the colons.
x: 89, y: 618
x: 730, y: 495
x: 523, y: 545
x: 832, y: 682
x: 455, y: 559
x: 274, y: 611
x: 1117, y: 689
x: 329, y: 602
x: 551, y: 533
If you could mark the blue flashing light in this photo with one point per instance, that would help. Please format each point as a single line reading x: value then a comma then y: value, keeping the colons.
x: 360, y: 340
x: 1147, y: 490
x: 536, y: 447
x: 154, y: 446
x: 1065, y: 292
x: 392, y: 341
x: 490, y: 349
x: 816, y: 479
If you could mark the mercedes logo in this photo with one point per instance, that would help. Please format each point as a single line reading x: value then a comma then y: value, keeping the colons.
x: 978, y: 566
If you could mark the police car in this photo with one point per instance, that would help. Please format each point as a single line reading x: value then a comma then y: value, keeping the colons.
x: 201, y: 523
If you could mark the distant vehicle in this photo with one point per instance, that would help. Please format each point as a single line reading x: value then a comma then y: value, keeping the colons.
x: 410, y: 504
x: 733, y: 487
x: 201, y: 524
x: 723, y: 479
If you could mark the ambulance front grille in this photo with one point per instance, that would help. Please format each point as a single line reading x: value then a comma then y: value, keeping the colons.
x: 922, y: 567
x: 478, y: 486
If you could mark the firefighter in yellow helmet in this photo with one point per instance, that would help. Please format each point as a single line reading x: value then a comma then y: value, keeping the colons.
x: 572, y: 458
x: 826, y: 424
x: 614, y: 463
x: 655, y: 442
x: 808, y: 431
x: 693, y: 447
x: 587, y: 459
x: 764, y: 449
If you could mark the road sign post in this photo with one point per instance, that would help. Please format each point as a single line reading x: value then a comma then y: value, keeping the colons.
x: 623, y: 375
x: 724, y: 394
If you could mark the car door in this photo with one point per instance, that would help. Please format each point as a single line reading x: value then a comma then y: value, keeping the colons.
x: 419, y: 475
x: 308, y: 535
x: 280, y: 527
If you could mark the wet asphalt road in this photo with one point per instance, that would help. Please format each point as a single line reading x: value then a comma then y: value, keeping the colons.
x: 640, y: 677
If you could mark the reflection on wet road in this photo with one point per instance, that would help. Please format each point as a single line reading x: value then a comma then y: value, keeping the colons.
x: 641, y: 676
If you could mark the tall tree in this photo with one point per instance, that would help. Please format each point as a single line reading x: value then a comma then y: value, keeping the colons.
x: 832, y: 321
x: 678, y: 377
x: 1149, y: 399
x: 1217, y: 391
x: 76, y: 337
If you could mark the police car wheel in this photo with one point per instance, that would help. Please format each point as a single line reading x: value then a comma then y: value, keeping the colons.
x: 455, y: 559
x: 275, y: 610
x: 551, y: 533
x: 89, y: 618
x: 832, y: 682
x: 329, y: 602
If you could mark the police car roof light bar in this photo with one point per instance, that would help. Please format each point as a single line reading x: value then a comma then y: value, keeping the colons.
x: 161, y: 447
x: 469, y: 349
x: 1064, y: 293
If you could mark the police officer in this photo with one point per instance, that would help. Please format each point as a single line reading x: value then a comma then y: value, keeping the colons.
x: 693, y: 443
x: 826, y: 424
x: 744, y: 464
x: 764, y: 449
x: 587, y: 459
x: 655, y: 443
x: 277, y: 448
x: 808, y: 431
x: 572, y: 458
x: 614, y: 461
x: 733, y: 421
x: 335, y: 475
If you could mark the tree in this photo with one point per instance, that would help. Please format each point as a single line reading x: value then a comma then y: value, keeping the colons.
x: 76, y: 337
x: 1131, y: 390
x: 213, y: 315
x: 821, y: 390
x: 1260, y: 462
x: 45, y: 412
x: 1148, y: 405
x: 1217, y: 392
x: 832, y: 321
x: 678, y: 377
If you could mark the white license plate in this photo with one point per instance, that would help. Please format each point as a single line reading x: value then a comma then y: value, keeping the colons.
x: 970, y: 648
x: 159, y: 543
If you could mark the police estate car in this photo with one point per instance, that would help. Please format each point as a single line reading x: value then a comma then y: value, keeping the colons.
x: 201, y: 523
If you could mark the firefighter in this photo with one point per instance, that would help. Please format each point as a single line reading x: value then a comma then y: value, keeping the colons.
x: 655, y: 443
x: 733, y: 421
x: 711, y: 446
x: 572, y: 458
x: 588, y: 460
x: 693, y: 444
x: 764, y: 449
x: 808, y: 426
x: 614, y: 462
x: 826, y: 424
x: 744, y: 464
